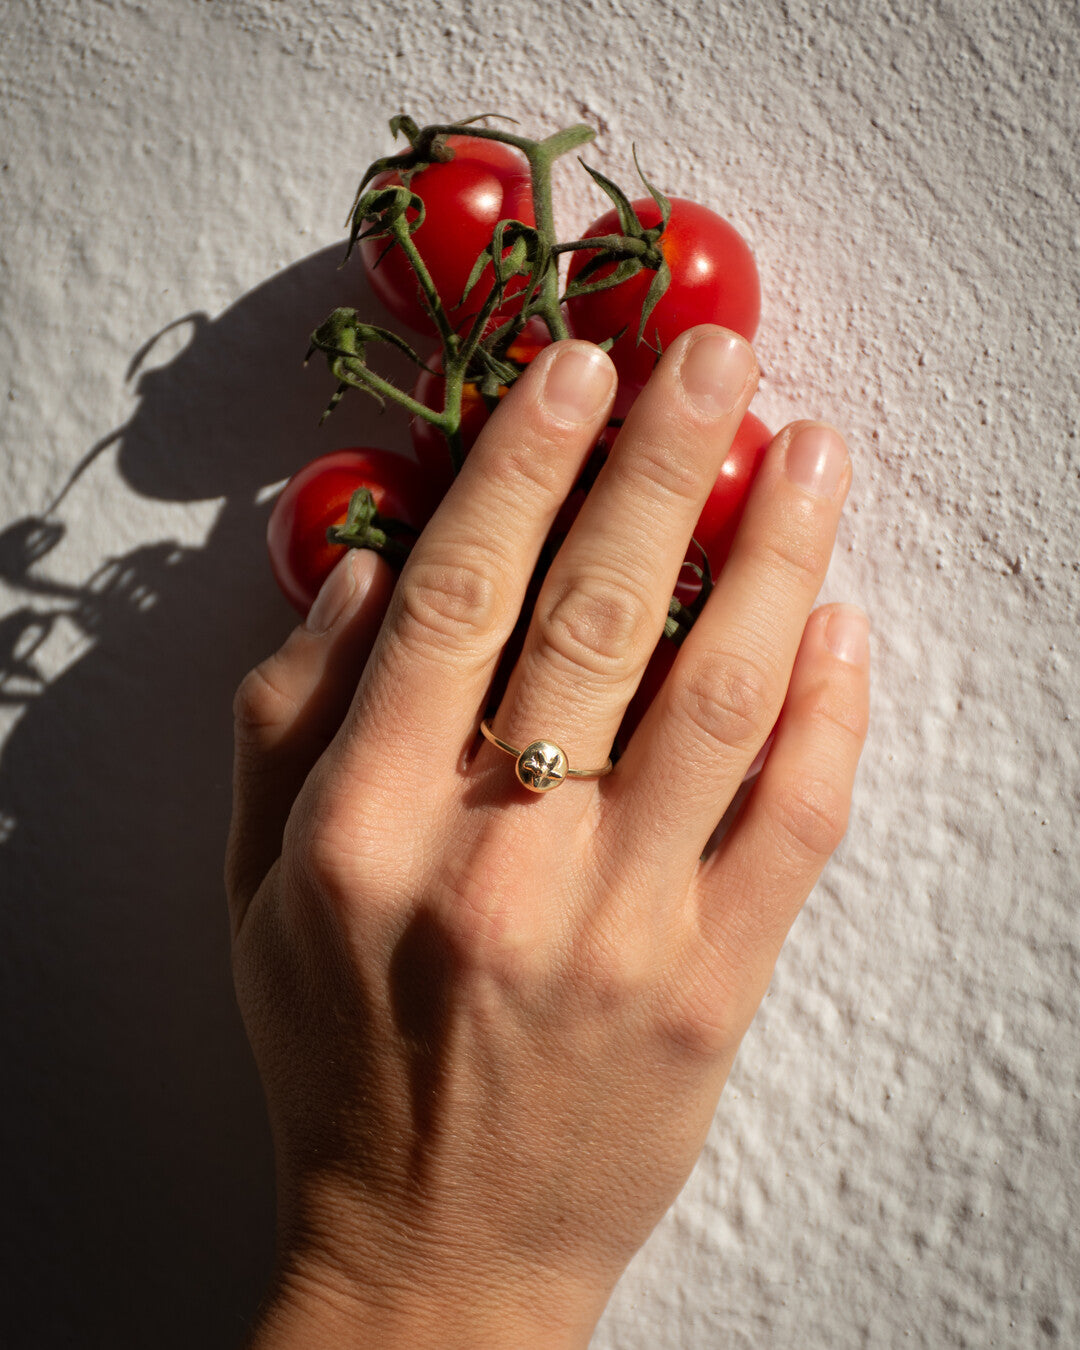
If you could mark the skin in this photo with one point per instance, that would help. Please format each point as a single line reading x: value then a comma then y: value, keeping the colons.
x: 492, y: 1026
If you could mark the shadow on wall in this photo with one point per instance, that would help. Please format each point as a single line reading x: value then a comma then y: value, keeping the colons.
x: 138, y: 1200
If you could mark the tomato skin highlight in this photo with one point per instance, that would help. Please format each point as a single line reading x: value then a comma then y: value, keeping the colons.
x: 429, y: 443
x: 464, y: 199
x: 714, y: 279
x: 317, y: 497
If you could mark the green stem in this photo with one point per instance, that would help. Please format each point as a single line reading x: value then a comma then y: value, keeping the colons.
x: 365, y: 528
x: 423, y: 276
x: 541, y: 156
x: 372, y: 380
x: 458, y: 352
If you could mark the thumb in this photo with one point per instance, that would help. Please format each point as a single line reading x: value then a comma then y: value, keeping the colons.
x: 289, y: 708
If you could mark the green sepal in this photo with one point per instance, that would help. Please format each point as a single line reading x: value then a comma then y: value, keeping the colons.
x: 627, y: 216
x: 363, y: 527
x: 380, y: 208
x: 343, y: 338
x: 625, y: 268
x: 402, y: 123
x: 525, y: 247
x: 681, y: 618
x: 657, y: 196
x: 659, y: 284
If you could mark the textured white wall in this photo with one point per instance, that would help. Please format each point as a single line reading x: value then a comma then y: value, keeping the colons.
x: 896, y: 1159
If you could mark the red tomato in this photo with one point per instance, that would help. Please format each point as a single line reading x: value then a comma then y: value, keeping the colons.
x: 484, y: 183
x: 430, y: 389
x: 713, y: 280
x: 721, y: 514
x: 317, y: 497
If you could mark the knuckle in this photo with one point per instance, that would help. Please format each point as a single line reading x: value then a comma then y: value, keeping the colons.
x: 599, y: 625
x: 320, y: 856
x: 810, y: 816
x: 726, y: 699
x: 456, y: 597
x: 848, y: 717
x: 666, y: 471
x: 260, y: 703
x: 614, y: 958
x: 529, y: 474
x: 700, y: 1031
x: 701, y: 1019
x: 800, y: 559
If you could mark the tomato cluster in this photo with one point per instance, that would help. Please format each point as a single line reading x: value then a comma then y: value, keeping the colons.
x: 454, y: 203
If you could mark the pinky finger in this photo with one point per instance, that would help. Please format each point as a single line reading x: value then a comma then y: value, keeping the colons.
x: 796, y: 813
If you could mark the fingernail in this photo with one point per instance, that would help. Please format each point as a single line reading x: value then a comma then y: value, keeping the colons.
x: 815, y: 460
x: 715, y: 371
x: 847, y: 635
x: 578, y: 382
x: 337, y: 590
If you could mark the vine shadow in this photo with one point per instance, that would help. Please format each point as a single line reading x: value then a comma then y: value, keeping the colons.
x: 138, y: 1195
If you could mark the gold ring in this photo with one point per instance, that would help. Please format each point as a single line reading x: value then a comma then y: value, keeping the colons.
x: 542, y: 765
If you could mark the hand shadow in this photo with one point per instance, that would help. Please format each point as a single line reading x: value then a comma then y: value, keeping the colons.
x: 139, y: 1188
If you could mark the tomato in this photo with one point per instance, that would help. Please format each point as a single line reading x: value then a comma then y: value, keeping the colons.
x: 464, y: 199
x: 724, y: 508
x: 713, y: 280
x: 430, y: 389
x: 318, y: 496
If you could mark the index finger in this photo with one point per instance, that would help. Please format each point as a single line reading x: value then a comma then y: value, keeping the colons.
x: 462, y: 588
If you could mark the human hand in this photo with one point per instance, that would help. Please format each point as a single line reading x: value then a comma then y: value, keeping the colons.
x: 492, y: 1026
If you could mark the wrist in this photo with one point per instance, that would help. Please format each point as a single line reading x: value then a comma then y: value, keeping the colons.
x: 305, y: 1310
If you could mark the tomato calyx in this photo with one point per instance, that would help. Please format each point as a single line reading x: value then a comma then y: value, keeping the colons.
x: 427, y: 146
x: 636, y: 249
x: 681, y: 616
x: 363, y: 527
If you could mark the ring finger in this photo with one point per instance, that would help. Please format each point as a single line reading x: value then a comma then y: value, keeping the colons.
x: 603, y: 603
x: 714, y: 710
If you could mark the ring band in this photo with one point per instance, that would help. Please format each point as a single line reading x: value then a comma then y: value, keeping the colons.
x: 542, y: 765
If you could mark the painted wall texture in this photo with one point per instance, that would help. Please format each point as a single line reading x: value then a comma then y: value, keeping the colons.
x: 897, y: 1158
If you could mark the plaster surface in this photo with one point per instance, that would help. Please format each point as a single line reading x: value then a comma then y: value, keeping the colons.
x: 896, y: 1159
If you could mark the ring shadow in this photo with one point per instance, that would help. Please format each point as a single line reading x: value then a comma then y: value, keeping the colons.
x: 139, y: 1177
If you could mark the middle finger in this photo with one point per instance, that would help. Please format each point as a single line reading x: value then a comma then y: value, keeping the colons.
x: 603, y: 604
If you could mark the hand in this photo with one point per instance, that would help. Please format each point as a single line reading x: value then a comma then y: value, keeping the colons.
x: 493, y: 1026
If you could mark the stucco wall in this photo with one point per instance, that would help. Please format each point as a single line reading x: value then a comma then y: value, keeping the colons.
x: 895, y: 1161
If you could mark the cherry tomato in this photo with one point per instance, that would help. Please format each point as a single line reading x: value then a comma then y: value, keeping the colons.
x: 428, y: 442
x: 724, y: 508
x: 713, y: 280
x: 317, y: 497
x: 464, y: 199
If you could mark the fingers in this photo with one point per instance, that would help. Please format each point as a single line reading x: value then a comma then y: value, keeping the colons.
x: 461, y: 590
x: 603, y: 604
x: 751, y: 889
x: 725, y: 690
x: 288, y: 709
